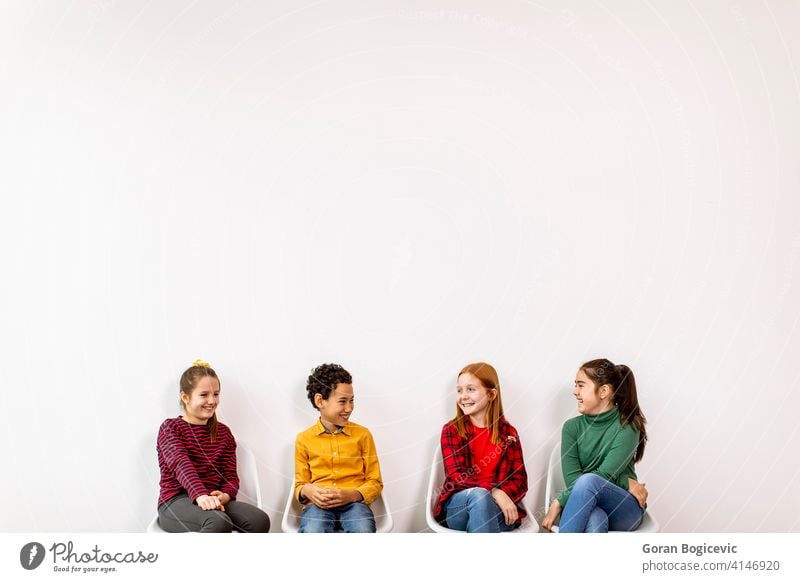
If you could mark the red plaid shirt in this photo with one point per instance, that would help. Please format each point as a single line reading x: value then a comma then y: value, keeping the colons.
x: 460, y: 469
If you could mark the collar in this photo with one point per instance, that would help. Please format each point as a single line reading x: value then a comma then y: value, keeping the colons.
x: 604, y: 418
x: 342, y: 429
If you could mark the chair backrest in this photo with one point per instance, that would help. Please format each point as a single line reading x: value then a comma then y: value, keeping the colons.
x: 247, y: 468
x: 555, y: 477
x: 291, y: 513
x: 293, y: 510
x: 435, y: 483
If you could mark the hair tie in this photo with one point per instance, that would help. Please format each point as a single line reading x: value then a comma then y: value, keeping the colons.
x: 198, y: 363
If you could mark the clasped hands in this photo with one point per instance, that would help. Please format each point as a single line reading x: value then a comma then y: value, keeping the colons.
x: 329, y: 497
x: 214, y: 500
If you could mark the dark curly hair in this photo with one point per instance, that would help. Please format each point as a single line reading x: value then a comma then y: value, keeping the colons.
x: 323, y: 380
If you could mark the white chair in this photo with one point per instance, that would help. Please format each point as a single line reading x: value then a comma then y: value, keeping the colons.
x: 435, y: 483
x: 291, y: 514
x: 555, y: 484
x: 249, y: 488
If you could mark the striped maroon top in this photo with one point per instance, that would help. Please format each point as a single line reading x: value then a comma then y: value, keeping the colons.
x: 190, y: 463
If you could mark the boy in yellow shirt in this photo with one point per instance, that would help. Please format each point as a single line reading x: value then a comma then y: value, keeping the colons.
x: 337, y: 474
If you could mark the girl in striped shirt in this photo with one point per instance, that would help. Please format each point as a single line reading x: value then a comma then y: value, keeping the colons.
x: 197, y: 458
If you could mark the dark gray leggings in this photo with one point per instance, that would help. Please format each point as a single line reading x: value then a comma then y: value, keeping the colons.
x: 180, y: 515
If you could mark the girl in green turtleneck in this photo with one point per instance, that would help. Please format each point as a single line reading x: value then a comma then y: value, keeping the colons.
x: 598, y: 451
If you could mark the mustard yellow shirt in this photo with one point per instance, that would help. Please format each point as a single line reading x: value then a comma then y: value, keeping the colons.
x: 346, y: 459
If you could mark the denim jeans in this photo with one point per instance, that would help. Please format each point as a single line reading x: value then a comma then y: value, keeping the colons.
x: 475, y: 511
x: 350, y: 518
x: 597, y: 506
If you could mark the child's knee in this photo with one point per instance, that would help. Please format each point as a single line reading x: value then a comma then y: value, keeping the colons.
x: 260, y: 522
x: 360, y: 525
x: 480, y: 496
x: 315, y: 520
x: 316, y: 526
x: 217, y: 522
x: 588, y: 481
x: 358, y: 519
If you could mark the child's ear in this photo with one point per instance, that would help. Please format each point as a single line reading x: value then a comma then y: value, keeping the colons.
x: 318, y: 400
x: 492, y: 393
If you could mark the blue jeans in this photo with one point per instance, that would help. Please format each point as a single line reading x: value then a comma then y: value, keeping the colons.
x: 597, y: 506
x: 475, y: 511
x: 350, y: 518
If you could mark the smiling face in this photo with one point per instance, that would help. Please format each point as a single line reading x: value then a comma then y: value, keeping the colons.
x: 473, y: 398
x: 336, y: 409
x: 199, y: 407
x: 592, y: 399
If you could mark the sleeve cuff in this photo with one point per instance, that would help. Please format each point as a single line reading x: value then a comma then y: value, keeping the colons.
x: 369, y: 493
x: 562, y: 498
x: 197, y: 492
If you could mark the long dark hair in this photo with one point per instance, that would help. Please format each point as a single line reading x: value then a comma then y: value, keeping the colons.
x: 623, y: 385
x: 199, y: 369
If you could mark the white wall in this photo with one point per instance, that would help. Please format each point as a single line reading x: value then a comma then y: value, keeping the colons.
x: 403, y: 189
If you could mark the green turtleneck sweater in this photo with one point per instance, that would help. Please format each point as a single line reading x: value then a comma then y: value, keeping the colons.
x: 597, y: 444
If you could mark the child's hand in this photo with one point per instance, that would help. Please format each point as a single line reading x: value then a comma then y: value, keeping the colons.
x: 209, y: 502
x: 509, y: 509
x: 552, y: 514
x: 224, y: 498
x: 638, y: 490
x: 317, y: 495
x: 339, y: 497
x: 329, y: 497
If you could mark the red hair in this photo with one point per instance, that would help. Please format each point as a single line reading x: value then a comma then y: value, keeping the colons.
x: 487, y: 376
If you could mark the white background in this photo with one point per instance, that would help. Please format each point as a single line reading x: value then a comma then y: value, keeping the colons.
x: 403, y: 188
